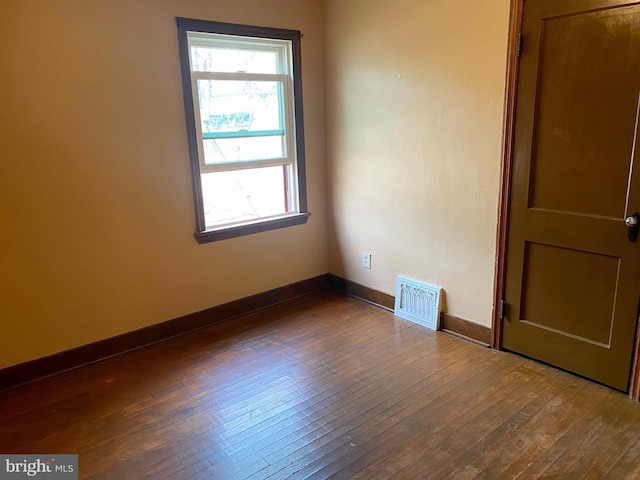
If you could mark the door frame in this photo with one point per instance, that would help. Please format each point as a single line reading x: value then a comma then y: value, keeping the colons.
x: 516, y: 15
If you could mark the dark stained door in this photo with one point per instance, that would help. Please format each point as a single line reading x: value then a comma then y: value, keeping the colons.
x: 572, y: 276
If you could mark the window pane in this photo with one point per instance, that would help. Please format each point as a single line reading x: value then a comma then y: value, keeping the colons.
x: 222, y: 150
x: 244, y: 195
x: 228, y: 106
x: 206, y: 59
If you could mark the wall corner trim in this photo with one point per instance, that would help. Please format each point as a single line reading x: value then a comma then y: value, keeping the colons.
x: 464, y: 328
x: 361, y: 292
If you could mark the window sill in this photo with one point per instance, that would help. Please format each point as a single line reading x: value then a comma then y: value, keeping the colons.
x: 232, y: 231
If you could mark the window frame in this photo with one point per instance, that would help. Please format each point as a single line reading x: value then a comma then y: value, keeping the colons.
x: 300, y: 215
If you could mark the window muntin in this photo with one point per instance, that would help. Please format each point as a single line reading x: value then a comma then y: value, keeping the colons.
x: 246, y: 137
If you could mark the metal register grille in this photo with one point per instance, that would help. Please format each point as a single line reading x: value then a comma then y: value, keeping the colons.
x: 418, y: 302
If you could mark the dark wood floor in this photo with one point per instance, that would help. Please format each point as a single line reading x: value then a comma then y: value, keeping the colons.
x: 324, y: 387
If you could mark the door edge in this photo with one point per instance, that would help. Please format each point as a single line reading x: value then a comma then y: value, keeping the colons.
x: 634, y: 383
x: 508, y: 131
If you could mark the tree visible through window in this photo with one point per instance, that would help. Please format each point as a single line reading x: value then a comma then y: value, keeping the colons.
x: 243, y: 103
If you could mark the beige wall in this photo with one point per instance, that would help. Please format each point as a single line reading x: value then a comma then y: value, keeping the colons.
x: 414, y: 112
x: 96, y: 215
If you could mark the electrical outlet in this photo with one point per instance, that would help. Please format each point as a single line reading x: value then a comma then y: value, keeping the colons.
x: 366, y: 260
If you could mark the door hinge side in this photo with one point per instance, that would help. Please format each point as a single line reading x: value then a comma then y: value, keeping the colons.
x: 519, y: 46
x: 502, y: 308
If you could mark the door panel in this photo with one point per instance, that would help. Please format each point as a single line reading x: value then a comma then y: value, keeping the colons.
x: 583, y: 113
x: 572, y: 281
x: 552, y: 298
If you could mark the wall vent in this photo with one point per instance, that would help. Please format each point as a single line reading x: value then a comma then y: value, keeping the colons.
x: 418, y: 302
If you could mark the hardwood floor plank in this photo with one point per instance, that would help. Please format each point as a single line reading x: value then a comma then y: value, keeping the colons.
x: 324, y: 386
x: 316, y: 409
x: 431, y: 425
x: 498, y: 425
x: 531, y: 434
x: 582, y: 438
x: 628, y: 464
x: 423, y: 448
x: 321, y: 425
x: 571, y: 441
x: 407, y: 412
x: 597, y: 461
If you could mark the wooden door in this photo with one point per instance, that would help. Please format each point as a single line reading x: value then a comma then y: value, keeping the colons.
x: 572, y: 280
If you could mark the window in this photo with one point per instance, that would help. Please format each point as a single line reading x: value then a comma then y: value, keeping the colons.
x: 243, y: 104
